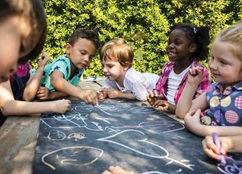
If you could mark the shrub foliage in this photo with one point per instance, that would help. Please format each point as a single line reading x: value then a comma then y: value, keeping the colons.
x: 144, y: 24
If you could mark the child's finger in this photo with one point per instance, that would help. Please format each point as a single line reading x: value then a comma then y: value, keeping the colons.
x: 210, y: 148
x: 197, y: 71
x: 195, y: 112
x: 150, y: 93
x: 191, y: 70
x: 192, y: 112
x: 155, y: 93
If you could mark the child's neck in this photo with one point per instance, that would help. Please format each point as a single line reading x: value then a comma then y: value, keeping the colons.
x: 231, y: 84
x: 180, y: 66
x: 73, y: 68
x: 120, y: 80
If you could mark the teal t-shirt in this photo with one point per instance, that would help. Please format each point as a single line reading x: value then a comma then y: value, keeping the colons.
x: 63, y: 65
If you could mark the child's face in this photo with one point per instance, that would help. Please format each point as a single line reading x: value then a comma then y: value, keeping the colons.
x: 225, y: 66
x: 81, y: 53
x: 179, y: 47
x: 17, y: 40
x: 113, y: 70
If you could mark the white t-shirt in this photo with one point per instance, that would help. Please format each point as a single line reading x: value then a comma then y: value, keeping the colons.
x: 173, y: 81
x: 135, y: 82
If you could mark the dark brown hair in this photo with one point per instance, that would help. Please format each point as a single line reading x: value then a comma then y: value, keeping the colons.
x: 85, y: 33
x: 33, y: 11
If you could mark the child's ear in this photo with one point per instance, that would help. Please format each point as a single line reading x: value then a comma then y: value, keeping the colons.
x: 127, y: 65
x: 68, y: 48
x: 193, y: 47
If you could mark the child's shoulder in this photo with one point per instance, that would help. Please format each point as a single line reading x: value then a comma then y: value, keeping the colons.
x: 196, y: 62
x: 133, y: 74
x: 62, y: 58
x: 168, y: 65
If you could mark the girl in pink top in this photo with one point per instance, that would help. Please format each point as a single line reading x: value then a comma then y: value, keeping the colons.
x: 187, y: 45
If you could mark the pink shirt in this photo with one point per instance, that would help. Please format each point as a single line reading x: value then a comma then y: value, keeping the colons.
x: 161, y: 85
x: 23, y: 70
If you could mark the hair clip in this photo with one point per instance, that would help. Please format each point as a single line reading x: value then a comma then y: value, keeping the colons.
x: 194, y: 30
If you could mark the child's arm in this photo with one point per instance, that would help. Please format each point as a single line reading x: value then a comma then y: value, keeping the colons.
x: 34, y: 81
x: 193, y: 123
x: 10, y: 106
x: 186, y: 102
x: 114, y: 93
x: 61, y: 85
x: 16, y: 107
x: 45, y: 94
x: 228, y: 144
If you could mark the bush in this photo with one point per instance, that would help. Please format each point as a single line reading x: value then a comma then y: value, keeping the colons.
x: 144, y: 24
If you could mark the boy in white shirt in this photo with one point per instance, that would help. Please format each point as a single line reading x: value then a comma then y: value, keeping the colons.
x: 122, y: 81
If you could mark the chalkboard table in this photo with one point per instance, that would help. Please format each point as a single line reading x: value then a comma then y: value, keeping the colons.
x: 130, y: 134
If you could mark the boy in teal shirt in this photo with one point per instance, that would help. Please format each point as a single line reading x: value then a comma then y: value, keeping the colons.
x: 61, y: 77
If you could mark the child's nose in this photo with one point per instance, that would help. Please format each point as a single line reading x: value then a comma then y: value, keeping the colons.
x: 104, y: 69
x: 212, y: 65
x: 87, y: 58
x: 170, y: 45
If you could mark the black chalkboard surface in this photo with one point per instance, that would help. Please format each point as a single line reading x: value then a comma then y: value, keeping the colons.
x: 130, y: 134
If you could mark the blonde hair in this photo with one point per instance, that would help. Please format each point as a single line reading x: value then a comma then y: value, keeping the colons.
x: 117, y: 50
x: 232, y: 35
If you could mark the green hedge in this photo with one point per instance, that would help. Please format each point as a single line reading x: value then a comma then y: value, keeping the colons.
x: 143, y: 24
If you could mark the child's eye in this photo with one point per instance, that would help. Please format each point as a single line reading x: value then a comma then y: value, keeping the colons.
x: 223, y: 62
x: 211, y: 58
x: 177, y: 42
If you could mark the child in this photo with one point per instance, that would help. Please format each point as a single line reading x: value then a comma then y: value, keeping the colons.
x: 228, y: 144
x: 24, y: 87
x: 117, y: 170
x: 221, y: 103
x: 62, y: 76
x: 186, y: 45
x: 22, y: 33
x: 122, y: 81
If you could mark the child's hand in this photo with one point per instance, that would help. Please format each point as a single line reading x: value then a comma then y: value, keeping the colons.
x: 152, y: 97
x: 155, y: 100
x: 162, y: 103
x: 89, y: 96
x: 102, y: 94
x: 44, y: 58
x: 195, y: 75
x: 113, y: 93
x: 192, y: 121
x: 193, y: 116
x: 61, y: 106
x: 211, y: 149
x: 43, y: 93
x: 116, y: 170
